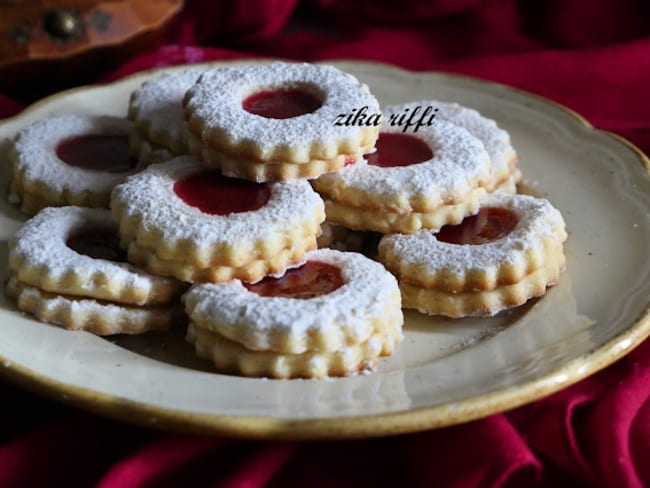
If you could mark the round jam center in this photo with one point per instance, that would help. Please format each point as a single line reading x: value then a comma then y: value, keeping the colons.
x: 98, y: 244
x: 399, y: 150
x: 490, y: 224
x: 97, y: 152
x: 312, y: 279
x: 282, y: 103
x: 213, y: 193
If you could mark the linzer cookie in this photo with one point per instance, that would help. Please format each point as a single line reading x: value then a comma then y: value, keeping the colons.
x: 182, y: 219
x: 511, y: 251
x: 156, y: 110
x: 332, y: 316
x: 66, y: 267
x: 75, y: 251
x: 69, y: 160
x: 333, y: 300
x: 425, y: 179
x: 278, y: 121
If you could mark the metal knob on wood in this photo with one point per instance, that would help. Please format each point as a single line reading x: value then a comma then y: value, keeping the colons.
x: 62, y: 24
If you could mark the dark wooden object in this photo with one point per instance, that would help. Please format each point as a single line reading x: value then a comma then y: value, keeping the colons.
x: 46, y: 45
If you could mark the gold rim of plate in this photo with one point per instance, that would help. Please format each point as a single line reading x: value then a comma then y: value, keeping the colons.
x: 411, y: 420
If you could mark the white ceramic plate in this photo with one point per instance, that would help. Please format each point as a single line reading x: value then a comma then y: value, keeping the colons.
x: 446, y: 371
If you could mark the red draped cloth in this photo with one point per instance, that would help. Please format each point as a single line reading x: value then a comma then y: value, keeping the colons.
x: 591, y: 55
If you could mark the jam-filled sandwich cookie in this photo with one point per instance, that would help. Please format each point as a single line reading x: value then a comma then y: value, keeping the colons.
x: 278, y: 121
x: 182, y: 219
x: 67, y: 268
x: 69, y: 160
x: 333, y: 316
x: 511, y: 251
x: 426, y: 179
x: 156, y: 110
x: 505, y: 174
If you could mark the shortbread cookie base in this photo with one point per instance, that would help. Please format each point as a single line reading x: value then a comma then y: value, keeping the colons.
x: 31, y: 204
x: 230, y: 357
x: 359, y: 218
x: 101, y: 318
x: 423, y: 260
x: 481, y: 303
x: 40, y: 257
x: 367, y: 301
x: 251, y: 272
x: 213, y: 109
x: 241, y: 167
x: 38, y: 196
x: 151, y: 215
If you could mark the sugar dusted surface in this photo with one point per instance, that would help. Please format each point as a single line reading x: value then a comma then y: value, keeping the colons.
x: 496, y: 140
x: 41, y: 243
x: 150, y: 196
x: 157, y: 107
x: 459, y: 161
x: 538, y: 221
x: 367, y: 291
x: 34, y: 152
x: 217, y: 98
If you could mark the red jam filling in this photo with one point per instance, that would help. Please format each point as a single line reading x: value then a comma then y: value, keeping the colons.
x: 399, y: 150
x: 489, y: 224
x: 312, y: 279
x: 97, y: 152
x: 350, y: 159
x: 98, y: 244
x: 213, y: 193
x: 282, y: 103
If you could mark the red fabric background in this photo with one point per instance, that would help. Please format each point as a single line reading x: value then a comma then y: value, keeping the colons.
x: 591, y: 55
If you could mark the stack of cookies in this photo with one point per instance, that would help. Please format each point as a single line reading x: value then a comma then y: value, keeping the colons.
x: 66, y: 268
x: 215, y: 194
x: 499, y: 258
x: 239, y: 219
x: 454, y: 175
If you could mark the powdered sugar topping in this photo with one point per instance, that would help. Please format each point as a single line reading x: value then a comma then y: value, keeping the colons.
x: 496, y: 140
x: 156, y: 108
x: 95, y: 316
